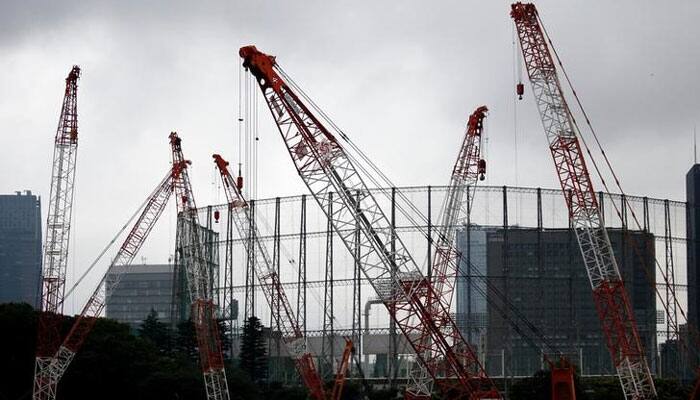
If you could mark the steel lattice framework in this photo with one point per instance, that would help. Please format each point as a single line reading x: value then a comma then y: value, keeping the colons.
x: 325, y: 167
x: 292, y: 333
x: 46, y: 382
x: 194, y: 258
x: 467, y: 171
x: 609, y: 293
x: 53, y: 274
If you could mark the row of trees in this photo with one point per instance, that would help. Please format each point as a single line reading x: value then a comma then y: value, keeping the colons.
x: 158, y: 362
x: 155, y: 362
x: 252, y: 359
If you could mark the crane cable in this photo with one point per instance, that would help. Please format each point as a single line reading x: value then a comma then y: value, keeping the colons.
x: 370, y: 164
x: 364, y: 157
x: 109, y: 245
x: 617, y: 183
x: 391, y: 184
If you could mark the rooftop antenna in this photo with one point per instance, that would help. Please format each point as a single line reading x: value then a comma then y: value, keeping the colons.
x: 695, y: 145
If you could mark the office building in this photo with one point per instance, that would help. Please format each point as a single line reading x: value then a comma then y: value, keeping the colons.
x: 20, y: 248
x: 540, y: 273
x: 692, y: 189
x: 472, y: 311
x: 142, y: 288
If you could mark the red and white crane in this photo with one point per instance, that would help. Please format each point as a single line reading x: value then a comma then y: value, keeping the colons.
x: 611, y: 299
x: 292, y: 334
x: 325, y: 168
x: 342, y: 372
x: 46, y: 382
x: 58, y: 222
x: 194, y: 258
x: 468, y: 169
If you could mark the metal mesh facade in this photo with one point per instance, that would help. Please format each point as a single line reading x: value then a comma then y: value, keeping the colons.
x: 523, y: 212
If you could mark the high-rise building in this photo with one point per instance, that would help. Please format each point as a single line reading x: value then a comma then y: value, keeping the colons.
x: 692, y: 192
x: 181, y: 296
x: 541, y: 274
x: 20, y: 248
x: 142, y: 288
x: 472, y: 311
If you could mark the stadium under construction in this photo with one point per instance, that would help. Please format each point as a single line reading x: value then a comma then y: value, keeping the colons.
x: 520, y: 263
x: 455, y: 289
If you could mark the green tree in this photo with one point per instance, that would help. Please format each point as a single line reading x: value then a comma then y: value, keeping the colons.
x: 157, y: 332
x: 533, y: 388
x: 253, y: 356
x: 113, y: 364
x: 17, y: 347
x: 224, y: 336
x: 186, y: 340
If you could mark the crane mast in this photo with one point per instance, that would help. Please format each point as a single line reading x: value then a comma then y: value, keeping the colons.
x: 468, y: 169
x: 610, y: 296
x: 55, y: 261
x: 292, y: 333
x: 326, y: 168
x: 194, y: 257
x: 46, y: 382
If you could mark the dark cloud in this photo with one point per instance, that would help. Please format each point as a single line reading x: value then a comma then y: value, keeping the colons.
x: 394, y: 75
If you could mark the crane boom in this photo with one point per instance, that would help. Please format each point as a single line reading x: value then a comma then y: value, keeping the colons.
x: 342, y: 372
x: 55, y: 261
x: 292, y: 334
x: 326, y: 168
x: 610, y: 296
x: 193, y: 255
x: 45, y: 384
x: 468, y: 169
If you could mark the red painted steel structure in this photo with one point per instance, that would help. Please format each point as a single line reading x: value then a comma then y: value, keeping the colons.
x: 292, y: 334
x: 326, y: 168
x: 53, y: 275
x: 342, y: 371
x: 469, y: 168
x: 612, y: 303
x: 82, y: 326
x: 194, y: 258
x: 563, y: 381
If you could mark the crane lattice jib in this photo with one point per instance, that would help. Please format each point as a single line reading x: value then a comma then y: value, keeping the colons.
x: 467, y: 170
x: 612, y: 303
x: 275, y: 295
x: 46, y: 382
x: 61, y: 199
x: 325, y: 167
x: 58, y: 221
x: 340, y: 375
x: 194, y: 259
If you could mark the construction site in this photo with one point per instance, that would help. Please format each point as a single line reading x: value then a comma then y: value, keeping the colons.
x: 465, y: 288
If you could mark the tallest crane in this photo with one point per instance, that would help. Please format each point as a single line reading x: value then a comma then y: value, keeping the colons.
x: 53, y: 274
x: 332, y: 178
x: 611, y: 300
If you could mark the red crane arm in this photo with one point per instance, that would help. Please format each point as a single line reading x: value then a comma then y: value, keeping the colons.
x: 468, y: 168
x: 55, y: 261
x: 120, y: 265
x: 275, y: 295
x: 194, y: 259
x: 325, y: 167
x: 610, y: 296
x: 342, y: 371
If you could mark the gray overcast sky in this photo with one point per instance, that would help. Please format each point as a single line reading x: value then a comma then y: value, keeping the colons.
x: 399, y: 77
